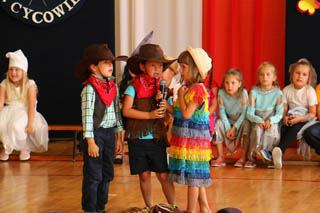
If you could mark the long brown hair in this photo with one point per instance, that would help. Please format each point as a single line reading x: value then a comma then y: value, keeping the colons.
x: 312, y: 80
x: 238, y: 75
x: 186, y: 58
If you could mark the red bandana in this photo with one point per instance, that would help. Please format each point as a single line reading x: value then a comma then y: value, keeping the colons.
x: 106, y: 90
x: 145, y: 85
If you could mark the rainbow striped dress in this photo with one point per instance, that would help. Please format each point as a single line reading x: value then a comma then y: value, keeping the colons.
x: 190, y: 144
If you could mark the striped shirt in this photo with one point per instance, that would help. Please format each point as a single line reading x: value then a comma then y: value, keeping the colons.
x: 111, y: 118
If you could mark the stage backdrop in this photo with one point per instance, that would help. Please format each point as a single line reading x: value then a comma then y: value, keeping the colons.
x: 302, y: 34
x: 53, y: 49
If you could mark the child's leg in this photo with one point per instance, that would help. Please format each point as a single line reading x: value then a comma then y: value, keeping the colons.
x: 193, y: 195
x: 241, y: 162
x: 289, y: 135
x: 167, y: 188
x: 3, y: 155
x: 312, y: 136
x: 203, y: 201
x: 107, y: 152
x: 220, y: 161
x: 244, y: 148
x: 146, y: 187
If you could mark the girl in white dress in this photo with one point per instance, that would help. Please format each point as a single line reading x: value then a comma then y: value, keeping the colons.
x: 22, y: 128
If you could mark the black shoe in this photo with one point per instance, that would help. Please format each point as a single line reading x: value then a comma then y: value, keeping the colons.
x: 118, y: 159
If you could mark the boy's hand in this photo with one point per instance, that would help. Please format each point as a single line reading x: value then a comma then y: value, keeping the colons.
x: 163, y: 104
x: 158, y: 113
x: 158, y: 95
x: 93, y: 149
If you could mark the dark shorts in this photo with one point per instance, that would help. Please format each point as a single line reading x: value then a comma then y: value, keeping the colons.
x: 147, y: 155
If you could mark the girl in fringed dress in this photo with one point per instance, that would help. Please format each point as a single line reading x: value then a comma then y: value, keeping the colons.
x: 190, y: 145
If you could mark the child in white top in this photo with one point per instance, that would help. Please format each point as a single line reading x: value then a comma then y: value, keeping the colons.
x: 300, y: 102
x: 22, y: 128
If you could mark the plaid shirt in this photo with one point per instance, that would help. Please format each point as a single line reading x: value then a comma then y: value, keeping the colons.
x: 111, y: 118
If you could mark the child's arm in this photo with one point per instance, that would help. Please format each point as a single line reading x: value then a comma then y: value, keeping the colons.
x: 93, y: 149
x: 285, y: 111
x: 242, y: 116
x: 119, y: 140
x: 223, y: 115
x: 276, y: 118
x: 32, y: 93
x: 251, y: 112
x: 130, y: 112
x: 2, y: 96
x: 293, y: 119
x: 214, y: 102
x: 186, y: 110
x: 87, y: 109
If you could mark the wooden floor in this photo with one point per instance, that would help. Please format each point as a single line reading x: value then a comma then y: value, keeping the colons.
x: 51, y: 182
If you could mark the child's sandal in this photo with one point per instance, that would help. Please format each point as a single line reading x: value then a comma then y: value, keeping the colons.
x: 218, y: 163
x: 240, y: 163
x: 250, y: 164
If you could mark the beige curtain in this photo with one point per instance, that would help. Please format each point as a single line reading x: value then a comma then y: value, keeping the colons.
x: 176, y: 24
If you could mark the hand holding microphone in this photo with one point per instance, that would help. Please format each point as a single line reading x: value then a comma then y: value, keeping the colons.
x: 163, y: 88
x: 162, y: 100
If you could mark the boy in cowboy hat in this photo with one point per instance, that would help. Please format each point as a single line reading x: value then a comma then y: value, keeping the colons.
x: 101, y: 119
x: 145, y: 128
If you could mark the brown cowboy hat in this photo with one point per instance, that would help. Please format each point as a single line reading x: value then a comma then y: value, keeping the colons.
x: 92, y: 55
x: 148, y: 52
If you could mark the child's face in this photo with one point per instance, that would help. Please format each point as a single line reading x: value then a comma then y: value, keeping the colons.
x: 184, y: 70
x: 231, y: 84
x: 168, y: 75
x: 15, y: 75
x: 266, y: 76
x: 103, y: 69
x: 300, y: 76
x: 152, y: 68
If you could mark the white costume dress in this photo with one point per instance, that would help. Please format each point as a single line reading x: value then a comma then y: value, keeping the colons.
x: 13, y: 122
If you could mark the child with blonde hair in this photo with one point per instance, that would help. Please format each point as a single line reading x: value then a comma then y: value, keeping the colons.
x: 190, y: 144
x: 265, y: 113
x: 300, y: 102
x: 232, y: 126
x: 22, y: 128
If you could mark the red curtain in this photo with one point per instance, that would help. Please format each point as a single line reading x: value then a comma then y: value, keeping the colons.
x: 243, y: 34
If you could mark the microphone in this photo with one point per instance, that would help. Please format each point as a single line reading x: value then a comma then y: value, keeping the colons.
x: 163, y: 83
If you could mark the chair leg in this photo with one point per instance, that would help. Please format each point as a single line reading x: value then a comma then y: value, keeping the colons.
x: 74, y: 145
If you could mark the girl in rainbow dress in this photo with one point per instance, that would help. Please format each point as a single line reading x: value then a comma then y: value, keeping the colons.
x: 190, y: 144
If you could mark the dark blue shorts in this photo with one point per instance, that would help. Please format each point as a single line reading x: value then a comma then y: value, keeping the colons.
x: 147, y: 155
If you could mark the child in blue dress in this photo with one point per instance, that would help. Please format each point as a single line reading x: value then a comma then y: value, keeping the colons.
x: 232, y: 127
x: 190, y: 144
x: 265, y: 113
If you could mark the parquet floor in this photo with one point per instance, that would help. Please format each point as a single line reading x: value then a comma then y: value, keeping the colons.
x: 51, y: 182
